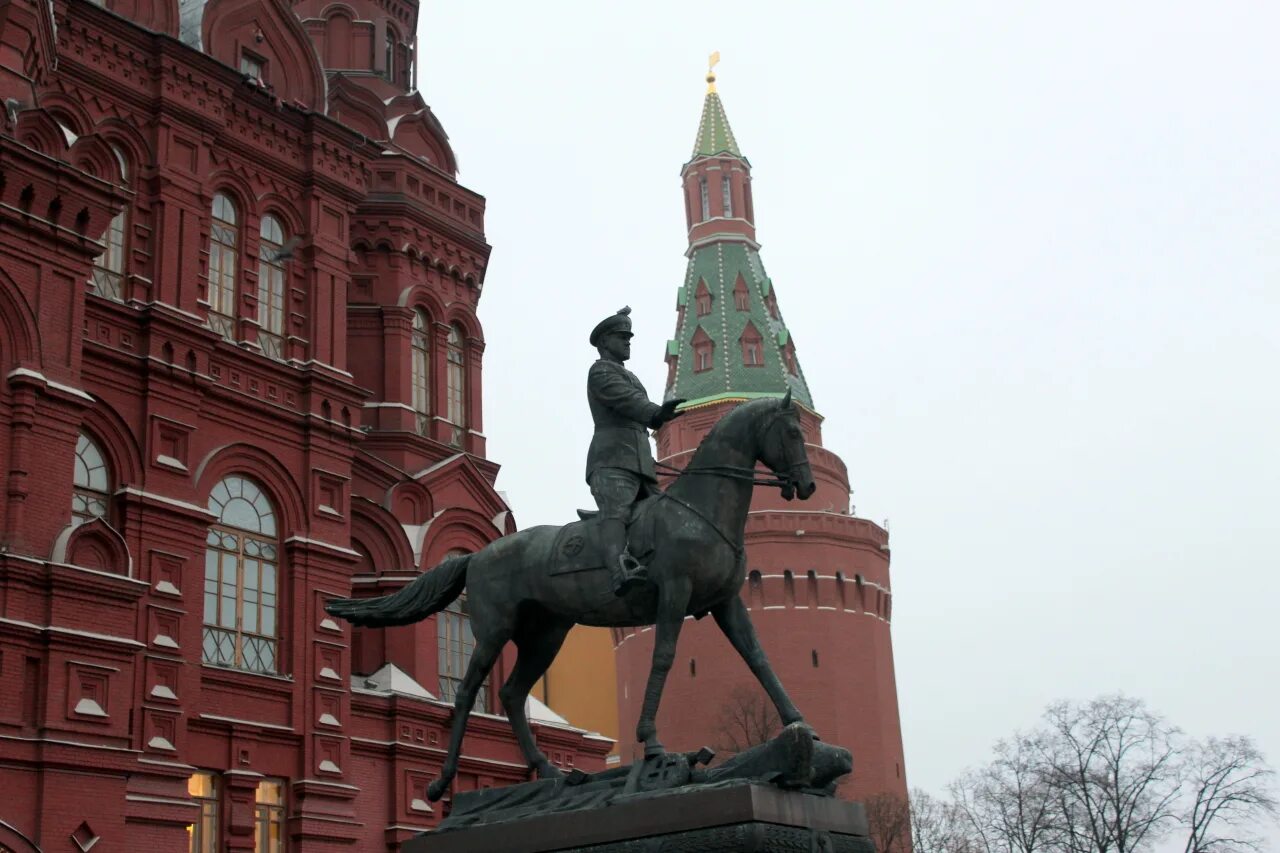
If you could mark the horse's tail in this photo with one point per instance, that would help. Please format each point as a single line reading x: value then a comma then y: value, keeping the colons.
x: 429, y: 593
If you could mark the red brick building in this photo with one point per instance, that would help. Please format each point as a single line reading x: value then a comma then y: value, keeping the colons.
x: 240, y: 373
x: 818, y: 585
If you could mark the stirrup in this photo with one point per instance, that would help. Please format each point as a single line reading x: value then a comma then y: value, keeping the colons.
x: 629, y: 574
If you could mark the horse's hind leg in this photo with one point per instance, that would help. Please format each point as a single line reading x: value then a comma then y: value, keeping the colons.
x: 483, y: 656
x: 538, y: 640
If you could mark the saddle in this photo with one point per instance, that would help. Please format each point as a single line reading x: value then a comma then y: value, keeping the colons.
x: 577, y: 545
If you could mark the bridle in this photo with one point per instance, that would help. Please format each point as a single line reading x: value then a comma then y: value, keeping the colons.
x: 791, y: 462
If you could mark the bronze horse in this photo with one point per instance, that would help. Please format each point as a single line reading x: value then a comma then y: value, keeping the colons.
x: 695, y: 564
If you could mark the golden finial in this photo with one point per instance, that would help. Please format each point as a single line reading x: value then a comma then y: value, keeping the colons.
x: 712, y: 61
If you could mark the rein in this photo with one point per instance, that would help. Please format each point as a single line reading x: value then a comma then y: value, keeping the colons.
x: 737, y: 549
x: 732, y: 472
x: 750, y: 475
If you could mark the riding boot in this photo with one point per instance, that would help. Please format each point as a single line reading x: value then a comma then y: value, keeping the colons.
x: 625, y: 570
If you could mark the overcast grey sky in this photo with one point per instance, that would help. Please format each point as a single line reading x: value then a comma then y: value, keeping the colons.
x: 1030, y: 255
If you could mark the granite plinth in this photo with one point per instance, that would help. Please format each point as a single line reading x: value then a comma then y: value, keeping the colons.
x: 741, y: 816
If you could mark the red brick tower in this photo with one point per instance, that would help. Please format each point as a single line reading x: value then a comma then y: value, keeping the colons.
x: 818, y: 584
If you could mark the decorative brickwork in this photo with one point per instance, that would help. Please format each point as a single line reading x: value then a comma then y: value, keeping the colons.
x: 212, y: 249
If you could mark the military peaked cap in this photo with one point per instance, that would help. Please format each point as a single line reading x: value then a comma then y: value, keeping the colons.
x: 620, y: 322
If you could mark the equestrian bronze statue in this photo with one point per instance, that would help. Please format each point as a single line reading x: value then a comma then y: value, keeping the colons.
x: 532, y: 586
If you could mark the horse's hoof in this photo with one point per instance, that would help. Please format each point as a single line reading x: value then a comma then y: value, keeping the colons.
x: 436, y: 790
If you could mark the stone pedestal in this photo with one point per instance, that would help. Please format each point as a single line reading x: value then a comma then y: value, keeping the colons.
x: 740, y: 816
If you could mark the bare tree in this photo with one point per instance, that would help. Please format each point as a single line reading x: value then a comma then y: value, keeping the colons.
x: 889, y: 823
x: 1230, y: 791
x: 940, y: 827
x: 1114, y: 774
x: 747, y: 719
x: 1009, y: 804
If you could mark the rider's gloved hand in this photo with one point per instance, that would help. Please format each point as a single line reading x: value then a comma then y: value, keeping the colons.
x: 667, y: 412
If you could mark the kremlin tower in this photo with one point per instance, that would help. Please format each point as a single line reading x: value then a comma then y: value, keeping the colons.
x: 818, y: 583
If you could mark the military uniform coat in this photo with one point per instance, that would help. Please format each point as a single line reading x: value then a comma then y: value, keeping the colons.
x: 622, y: 413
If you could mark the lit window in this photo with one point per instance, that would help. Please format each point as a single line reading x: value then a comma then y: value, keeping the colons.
x: 271, y: 288
x: 222, y: 266
x: 203, y: 788
x: 91, y: 482
x: 421, y: 369
x: 252, y: 67
x: 726, y: 194
x: 240, y: 578
x: 706, y: 199
x: 108, y: 269
x: 453, y: 627
x: 268, y: 817
x: 456, y: 384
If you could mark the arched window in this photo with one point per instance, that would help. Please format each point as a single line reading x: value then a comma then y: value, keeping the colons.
x: 91, y: 482
x: 223, y: 240
x: 456, y: 384
x: 241, y: 562
x: 108, y: 269
x: 456, y: 643
x: 421, y: 369
x: 389, y: 57
x: 706, y: 199
x: 271, y: 288
x: 726, y: 194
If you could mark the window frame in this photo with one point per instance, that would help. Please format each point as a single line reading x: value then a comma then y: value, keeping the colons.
x: 456, y: 382
x: 726, y: 195
x: 420, y: 369
x: 206, y: 834
x: 268, y: 814
x: 455, y: 644
x: 264, y: 550
x: 108, y: 273
x: 86, y: 491
x: 273, y: 286
x: 251, y: 62
x: 390, y: 41
x: 223, y: 263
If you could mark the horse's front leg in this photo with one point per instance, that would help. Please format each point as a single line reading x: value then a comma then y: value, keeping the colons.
x: 673, y: 600
x: 733, y: 618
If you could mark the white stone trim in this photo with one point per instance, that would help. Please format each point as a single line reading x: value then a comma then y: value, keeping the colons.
x: 35, y: 374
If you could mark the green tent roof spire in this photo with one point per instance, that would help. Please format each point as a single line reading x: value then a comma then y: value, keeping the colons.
x: 731, y: 341
x: 714, y: 134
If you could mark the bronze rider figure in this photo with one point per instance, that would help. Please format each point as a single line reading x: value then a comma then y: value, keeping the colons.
x: 620, y: 468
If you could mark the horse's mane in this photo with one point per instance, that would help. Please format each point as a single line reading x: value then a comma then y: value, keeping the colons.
x: 735, y: 420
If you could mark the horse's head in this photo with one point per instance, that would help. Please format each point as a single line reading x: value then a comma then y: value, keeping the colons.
x: 782, y: 449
